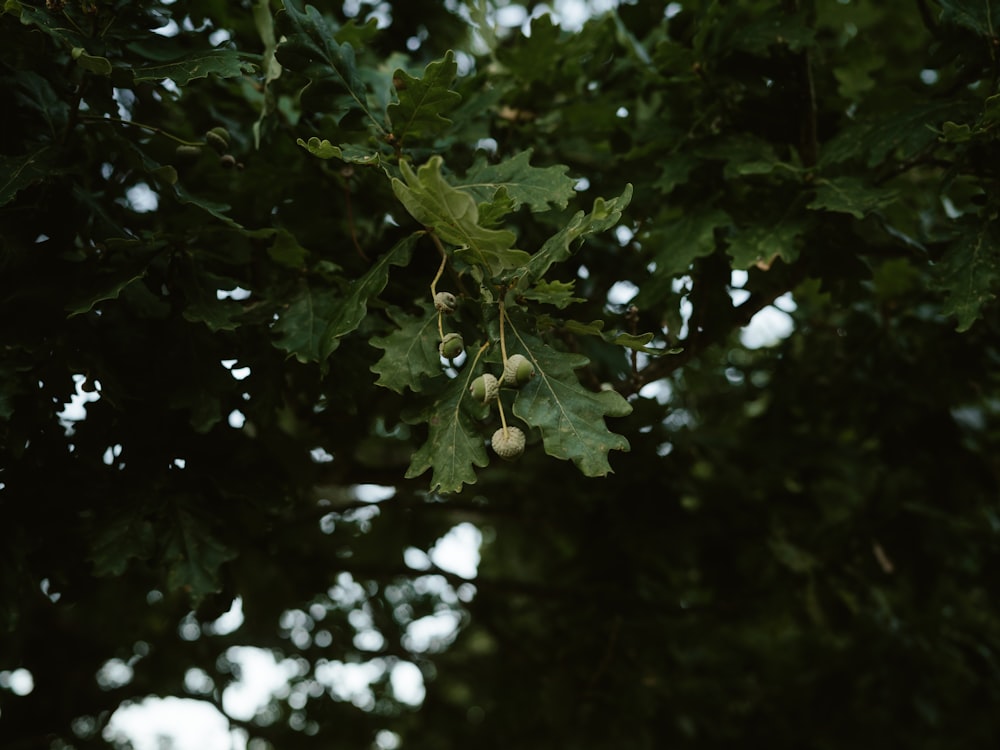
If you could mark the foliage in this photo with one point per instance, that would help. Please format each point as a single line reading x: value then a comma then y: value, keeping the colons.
x: 223, y: 230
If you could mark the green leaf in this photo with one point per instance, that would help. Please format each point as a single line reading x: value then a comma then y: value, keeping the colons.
x: 558, y: 293
x: 570, y: 418
x: 193, y: 556
x: 120, y: 540
x: 423, y: 100
x: 218, y: 315
x: 35, y: 92
x: 351, y: 310
x: 539, y: 188
x: 679, y: 242
x: 454, y: 217
x: 347, y: 153
x: 901, y: 135
x: 953, y: 132
x: 991, y: 111
x: 93, y: 64
x: 286, y: 250
x: 850, y: 195
x: 760, y: 245
x: 744, y: 155
x: 264, y: 21
x: 300, y: 326
x: 113, y: 285
x: 213, y: 208
x: 311, y: 48
x: 225, y: 63
x: 492, y: 213
x: 315, y: 321
x: 675, y: 170
x: 976, y: 15
x: 18, y: 172
x: 639, y: 343
x: 559, y: 247
x: 53, y: 24
x: 593, y: 328
x: 411, y: 351
x: 969, y: 272
x: 455, y: 445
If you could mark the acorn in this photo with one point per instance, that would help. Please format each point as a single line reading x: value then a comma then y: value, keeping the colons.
x: 517, y: 371
x: 445, y: 302
x: 218, y: 139
x: 186, y: 152
x: 451, y: 345
x: 508, y: 443
x: 485, y: 388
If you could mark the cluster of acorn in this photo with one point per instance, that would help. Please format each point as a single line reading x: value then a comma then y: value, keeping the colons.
x: 508, y: 441
x: 218, y: 139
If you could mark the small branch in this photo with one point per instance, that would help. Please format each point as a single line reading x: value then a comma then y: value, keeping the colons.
x: 697, y: 340
x: 434, y: 281
x: 151, y: 128
x: 927, y: 17
x: 444, y: 262
x: 503, y: 340
x: 809, y: 138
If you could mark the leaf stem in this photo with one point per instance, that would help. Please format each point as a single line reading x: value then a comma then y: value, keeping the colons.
x: 444, y: 262
x: 437, y: 277
x: 503, y: 417
x: 503, y: 339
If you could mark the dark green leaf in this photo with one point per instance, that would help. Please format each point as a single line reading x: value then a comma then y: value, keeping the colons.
x: 18, y: 172
x: 194, y: 555
x: 423, y: 101
x: 411, y: 351
x: 351, y: 310
x: 302, y: 324
x: 455, y: 445
x: 977, y: 15
x: 570, y: 418
x: 850, y: 195
x: 225, y: 63
x: 901, y: 135
x: 91, y: 63
x: 676, y: 244
x: 970, y: 271
x: 311, y: 48
x: 760, y: 245
x: 559, y: 247
x: 127, y: 537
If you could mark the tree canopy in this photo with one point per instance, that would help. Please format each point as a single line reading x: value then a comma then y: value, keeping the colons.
x: 289, y: 291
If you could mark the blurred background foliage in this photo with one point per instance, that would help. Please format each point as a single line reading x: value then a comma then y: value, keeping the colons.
x: 801, y: 547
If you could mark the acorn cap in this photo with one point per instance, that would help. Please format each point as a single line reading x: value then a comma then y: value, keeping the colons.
x: 508, y: 443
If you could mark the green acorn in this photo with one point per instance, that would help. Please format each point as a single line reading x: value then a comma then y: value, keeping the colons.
x: 485, y: 388
x: 218, y: 139
x: 451, y: 345
x: 508, y: 443
x: 517, y: 371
